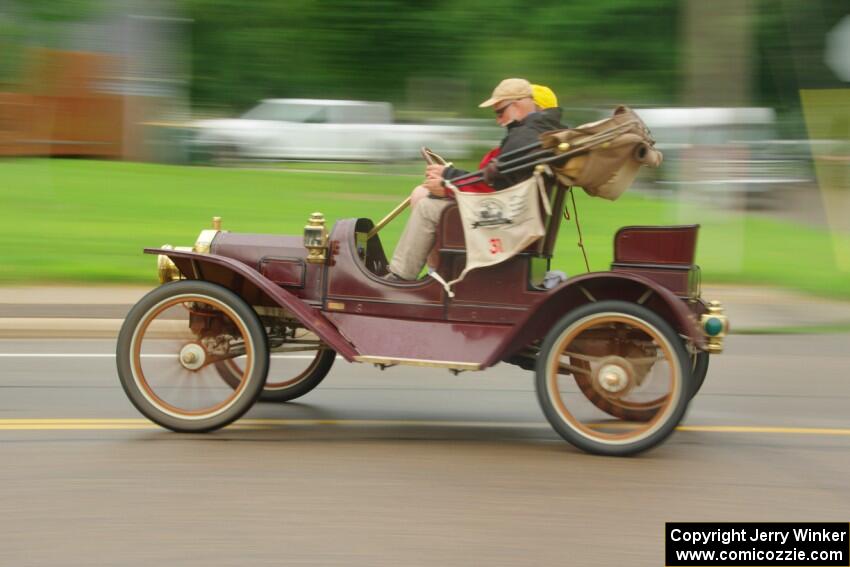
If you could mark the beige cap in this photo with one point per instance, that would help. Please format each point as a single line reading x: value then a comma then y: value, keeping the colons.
x: 509, y: 89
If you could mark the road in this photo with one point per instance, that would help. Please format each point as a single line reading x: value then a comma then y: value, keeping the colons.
x: 406, y: 466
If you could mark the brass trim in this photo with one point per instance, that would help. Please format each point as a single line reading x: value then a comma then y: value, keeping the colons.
x: 587, y: 294
x: 372, y: 299
x: 714, y: 344
x: 204, y: 241
x: 166, y: 269
x: 387, y: 219
x: 389, y: 361
x: 695, y: 282
x: 316, y: 239
x: 645, y: 296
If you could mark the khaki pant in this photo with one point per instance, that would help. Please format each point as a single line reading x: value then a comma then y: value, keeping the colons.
x: 418, y: 237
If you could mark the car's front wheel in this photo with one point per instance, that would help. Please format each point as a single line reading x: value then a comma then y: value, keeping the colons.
x: 168, y: 349
x: 289, y: 376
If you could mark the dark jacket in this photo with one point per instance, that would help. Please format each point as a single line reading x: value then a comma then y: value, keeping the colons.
x: 520, y: 134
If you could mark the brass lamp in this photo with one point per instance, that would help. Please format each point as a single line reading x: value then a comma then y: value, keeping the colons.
x: 316, y: 239
x: 166, y: 270
x: 204, y: 241
x: 714, y: 325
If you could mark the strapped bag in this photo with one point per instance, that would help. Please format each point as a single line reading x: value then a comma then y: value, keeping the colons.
x: 616, y: 148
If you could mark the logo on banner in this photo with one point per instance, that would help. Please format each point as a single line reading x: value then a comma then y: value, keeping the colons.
x: 495, y: 212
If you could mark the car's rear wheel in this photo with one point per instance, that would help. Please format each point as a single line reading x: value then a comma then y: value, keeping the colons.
x: 627, y: 357
x: 699, y: 369
x: 169, y: 345
x: 631, y: 411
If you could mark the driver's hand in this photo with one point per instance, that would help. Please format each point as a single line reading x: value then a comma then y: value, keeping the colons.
x: 434, y: 171
x: 434, y: 185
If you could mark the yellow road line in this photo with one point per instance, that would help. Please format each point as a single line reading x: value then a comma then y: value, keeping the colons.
x: 120, y: 424
x: 765, y: 429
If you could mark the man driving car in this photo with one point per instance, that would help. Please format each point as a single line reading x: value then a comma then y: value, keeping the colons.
x: 513, y: 102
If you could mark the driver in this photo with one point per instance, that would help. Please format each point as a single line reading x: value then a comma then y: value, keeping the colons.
x: 525, y: 116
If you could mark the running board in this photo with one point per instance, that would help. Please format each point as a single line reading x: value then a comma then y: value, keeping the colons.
x: 387, y: 361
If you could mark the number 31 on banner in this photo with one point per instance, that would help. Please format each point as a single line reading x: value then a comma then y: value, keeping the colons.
x: 495, y: 245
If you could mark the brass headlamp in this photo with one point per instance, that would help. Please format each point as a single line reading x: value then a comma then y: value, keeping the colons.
x: 167, y: 271
x: 316, y: 239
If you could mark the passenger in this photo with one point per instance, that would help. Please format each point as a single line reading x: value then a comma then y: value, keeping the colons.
x: 526, y: 111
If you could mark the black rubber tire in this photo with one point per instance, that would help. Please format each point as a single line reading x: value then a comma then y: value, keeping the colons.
x: 253, y: 383
x: 699, y: 368
x: 679, y: 398
x: 311, y: 377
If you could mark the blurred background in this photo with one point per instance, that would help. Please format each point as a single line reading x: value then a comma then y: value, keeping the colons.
x: 129, y: 123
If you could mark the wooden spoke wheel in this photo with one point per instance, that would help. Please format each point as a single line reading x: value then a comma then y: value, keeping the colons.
x: 632, y: 411
x: 613, y: 359
x: 611, y: 404
x: 168, y: 349
x: 290, y: 376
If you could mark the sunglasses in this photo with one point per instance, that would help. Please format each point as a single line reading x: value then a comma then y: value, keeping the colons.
x: 500, y: 111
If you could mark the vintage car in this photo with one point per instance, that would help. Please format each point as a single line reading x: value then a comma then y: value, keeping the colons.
x: 617, y: 354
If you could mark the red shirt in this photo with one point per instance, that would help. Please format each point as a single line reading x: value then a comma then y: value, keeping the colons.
x: 481, y: 186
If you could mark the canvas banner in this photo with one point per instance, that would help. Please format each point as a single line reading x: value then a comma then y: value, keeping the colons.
x: 499, y: 225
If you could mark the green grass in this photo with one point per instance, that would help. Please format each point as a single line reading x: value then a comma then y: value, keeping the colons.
x: 411, y: 168
x: 87, y: 221
x: 831, y: 329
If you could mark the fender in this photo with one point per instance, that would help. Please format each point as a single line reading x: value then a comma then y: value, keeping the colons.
x: 235, y: 276
x: 597, y: 286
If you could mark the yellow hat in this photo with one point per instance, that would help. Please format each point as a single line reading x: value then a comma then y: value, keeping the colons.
x: 544, y: 97
x: 509, y: 89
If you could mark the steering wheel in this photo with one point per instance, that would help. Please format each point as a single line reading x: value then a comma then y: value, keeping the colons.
x: 432, y: 157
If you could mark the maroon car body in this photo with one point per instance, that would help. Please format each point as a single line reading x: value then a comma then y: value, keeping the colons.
x: 496, y: 312
x: 499, y: 313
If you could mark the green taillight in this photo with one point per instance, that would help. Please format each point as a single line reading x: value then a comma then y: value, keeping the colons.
x: 713, y: 326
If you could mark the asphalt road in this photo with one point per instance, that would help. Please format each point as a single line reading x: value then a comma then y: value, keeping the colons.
x: 406, y: 466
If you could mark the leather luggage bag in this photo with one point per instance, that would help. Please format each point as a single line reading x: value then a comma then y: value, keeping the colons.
x: 615, y: 148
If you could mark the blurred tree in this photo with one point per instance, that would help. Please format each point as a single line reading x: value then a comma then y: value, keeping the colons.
x: 717, y: 45
x: 59, y: 11
x: 790, y: 43
x: 447, y: 54
x: 352, y: 49
x: 11, y: 37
